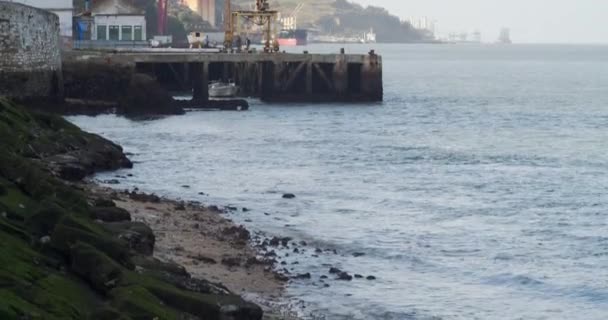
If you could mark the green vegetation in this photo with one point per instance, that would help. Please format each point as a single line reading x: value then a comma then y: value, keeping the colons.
x: 55, y: 261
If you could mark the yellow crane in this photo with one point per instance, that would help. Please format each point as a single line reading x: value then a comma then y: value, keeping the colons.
x: 262, y: 16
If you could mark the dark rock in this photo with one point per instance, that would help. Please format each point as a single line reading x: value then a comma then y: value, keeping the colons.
x: 358, y: 276
x: 138, y: 236
x: 201, y: 193
x: 180, y: 207
x: 111, y: 181
x: 289, y: 196
x: 145, y: 96
x: 303, y: 243
x: 186, y: 186
x: 214, y: 208
x: 344, y: 276
x: 296, y: 250
x: 318, y: 250
x: 333, y: 270
x: 324, y: 277
x: 255, y: 261
x: 203, y: 259
x: 281, y: 277
x: 143, y: 197
x: 358, y: 254
x: 239, y: 233
x: 270, y: 254
x: 198, y: 285
x: 95, y: 267
x: 72, y: 172
x: 275, y: 241
x: 303, y: 276
x: 245, y: 210
x: 154, y: 264
x: 231, y: 261
x: 370, y: 278
x: 104, y: 202
x: 177, y: 275
x: 232, y: 208
x: 285, y: 241
x: 44, y: 221
x: 110, y: 214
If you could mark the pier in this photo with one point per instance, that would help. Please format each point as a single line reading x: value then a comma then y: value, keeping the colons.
x: 272, y: 77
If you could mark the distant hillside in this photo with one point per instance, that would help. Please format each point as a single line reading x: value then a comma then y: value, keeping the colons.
x: 339, y: 17
x: 346, y: 18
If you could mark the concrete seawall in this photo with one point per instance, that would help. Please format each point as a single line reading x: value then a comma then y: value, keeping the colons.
x: 30, y: 58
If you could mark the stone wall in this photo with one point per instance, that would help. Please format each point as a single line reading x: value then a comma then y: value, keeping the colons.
x: 30, y: 58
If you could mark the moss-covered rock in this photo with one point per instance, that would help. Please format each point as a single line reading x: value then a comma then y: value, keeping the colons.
x: 95, y: 267
x: 58, y: 261
x: 43, y: 222
x: 138, y: 236
x: 110, y: 214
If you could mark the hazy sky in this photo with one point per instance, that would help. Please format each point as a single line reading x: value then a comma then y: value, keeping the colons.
x: 554, y: 21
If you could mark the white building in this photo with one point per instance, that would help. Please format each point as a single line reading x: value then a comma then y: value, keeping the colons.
x: 62, y: 8
x: 117, y: 20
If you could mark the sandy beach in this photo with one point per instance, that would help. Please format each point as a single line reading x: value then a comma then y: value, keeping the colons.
x: 207, y: 244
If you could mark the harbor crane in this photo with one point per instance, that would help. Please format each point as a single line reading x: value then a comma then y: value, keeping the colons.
x: 262, y: 16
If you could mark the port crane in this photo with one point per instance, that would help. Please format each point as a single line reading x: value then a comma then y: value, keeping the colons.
x: 262, y: 16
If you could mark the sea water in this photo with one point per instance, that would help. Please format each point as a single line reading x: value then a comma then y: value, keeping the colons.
x: 477, y: 190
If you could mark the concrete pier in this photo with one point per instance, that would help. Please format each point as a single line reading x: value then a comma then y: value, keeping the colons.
x: 284, y: 77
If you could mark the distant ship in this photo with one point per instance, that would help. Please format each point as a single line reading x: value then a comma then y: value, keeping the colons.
x: 369, y: 37
x: 291, y: 38
x: 505, y: 36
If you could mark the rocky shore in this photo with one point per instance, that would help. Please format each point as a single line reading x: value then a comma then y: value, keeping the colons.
x: 75, y: 251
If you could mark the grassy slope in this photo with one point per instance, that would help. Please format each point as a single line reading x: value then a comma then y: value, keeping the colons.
x: 83, y: 272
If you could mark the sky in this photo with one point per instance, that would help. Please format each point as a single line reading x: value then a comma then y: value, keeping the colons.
x: 530, y: 21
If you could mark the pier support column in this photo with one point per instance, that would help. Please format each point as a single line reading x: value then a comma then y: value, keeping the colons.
x: 186, y: 67
x: 371, y: 77
x: 340, y: 76
x: 309, y: 77
x: 279, y: 67
x: 200, y: 82
x: 266, y: 80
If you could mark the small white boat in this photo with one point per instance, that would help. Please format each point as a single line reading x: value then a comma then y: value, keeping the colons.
x: 222, y: 90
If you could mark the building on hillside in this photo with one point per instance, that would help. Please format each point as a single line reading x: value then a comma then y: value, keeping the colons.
x: 111, y: 23
x: 118, y: 20
x: 205, y: 8
x: 64, y: 9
